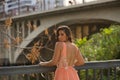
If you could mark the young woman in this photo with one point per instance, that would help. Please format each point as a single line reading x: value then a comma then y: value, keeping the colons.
x: 66, y: 56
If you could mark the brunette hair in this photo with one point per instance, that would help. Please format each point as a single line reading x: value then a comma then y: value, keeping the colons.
x: 67, y: 31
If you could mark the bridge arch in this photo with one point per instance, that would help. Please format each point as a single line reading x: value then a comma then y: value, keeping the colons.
x: 80, y: 14
x: 67, y: 22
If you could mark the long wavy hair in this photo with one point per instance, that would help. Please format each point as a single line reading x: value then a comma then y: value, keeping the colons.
x: 67, y: 31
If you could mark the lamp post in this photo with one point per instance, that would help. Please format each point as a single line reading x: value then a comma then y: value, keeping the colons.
x: 3, y: 9
x: 18, y: 6
x: 83, y: 1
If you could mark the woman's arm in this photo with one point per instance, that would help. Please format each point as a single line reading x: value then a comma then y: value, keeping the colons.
x: 80, y: 59
x: 55, y: 57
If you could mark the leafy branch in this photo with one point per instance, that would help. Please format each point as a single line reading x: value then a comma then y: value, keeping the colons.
x: 34, y: 51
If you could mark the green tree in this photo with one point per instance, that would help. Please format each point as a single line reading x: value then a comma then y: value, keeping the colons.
x: 101, y: 46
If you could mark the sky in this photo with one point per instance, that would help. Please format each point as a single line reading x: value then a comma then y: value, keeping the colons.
x: 85, y: 0
x: 77, y: 1
x: 89, y: 0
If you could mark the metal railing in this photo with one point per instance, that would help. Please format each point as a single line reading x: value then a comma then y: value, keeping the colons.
x: 95, y: 70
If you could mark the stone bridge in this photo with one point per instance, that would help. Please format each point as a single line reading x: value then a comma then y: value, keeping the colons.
x: 103, y: 11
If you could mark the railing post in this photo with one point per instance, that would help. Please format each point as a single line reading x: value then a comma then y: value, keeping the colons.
x: 94, y: 74
x: 115, y: 72
x: 86, y: 73
x: 108, y: 73
x: 101, y: 74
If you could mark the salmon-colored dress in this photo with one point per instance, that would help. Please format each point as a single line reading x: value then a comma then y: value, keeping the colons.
x: 63, y: 71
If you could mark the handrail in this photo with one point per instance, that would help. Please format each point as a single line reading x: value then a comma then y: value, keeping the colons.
x: 27, y: 69
x: 84, y: 3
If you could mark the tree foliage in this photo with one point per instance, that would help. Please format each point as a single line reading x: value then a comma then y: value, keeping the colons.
x: 33, y: 51
x: 101, y: 46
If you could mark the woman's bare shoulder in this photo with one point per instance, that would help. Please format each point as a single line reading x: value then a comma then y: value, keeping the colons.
x: 74, y: 45
x: 59, y: 44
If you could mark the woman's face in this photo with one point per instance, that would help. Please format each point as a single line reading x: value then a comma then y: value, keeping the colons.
x: 62, y: 36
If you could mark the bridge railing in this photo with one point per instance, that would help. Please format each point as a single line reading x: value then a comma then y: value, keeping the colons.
x: 15, y: 7
x: 95, y: 70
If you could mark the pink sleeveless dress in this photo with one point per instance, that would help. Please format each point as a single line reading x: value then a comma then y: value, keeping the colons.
x: 63, y: 71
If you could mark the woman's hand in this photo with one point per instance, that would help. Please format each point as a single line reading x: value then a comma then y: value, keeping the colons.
x: 42, y: 63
